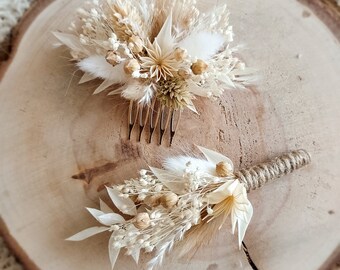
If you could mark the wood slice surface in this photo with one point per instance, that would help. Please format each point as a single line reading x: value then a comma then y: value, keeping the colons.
x: 60, y: 145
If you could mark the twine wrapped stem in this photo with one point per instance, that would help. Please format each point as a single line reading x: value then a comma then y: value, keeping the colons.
x: 258, y: 175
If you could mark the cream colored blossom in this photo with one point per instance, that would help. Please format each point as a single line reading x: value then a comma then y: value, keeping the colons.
x: 161, y: 60
x: 161, y: 64
x: 230, y: 199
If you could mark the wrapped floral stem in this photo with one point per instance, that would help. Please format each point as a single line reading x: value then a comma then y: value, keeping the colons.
x: 190, y: 196
x: 257, y: 176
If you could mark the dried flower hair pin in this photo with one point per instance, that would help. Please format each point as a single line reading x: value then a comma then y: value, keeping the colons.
x: 190, y: 199
x: 159, y: 55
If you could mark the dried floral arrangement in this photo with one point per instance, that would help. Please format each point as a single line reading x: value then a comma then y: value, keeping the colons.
x: 159, y: 55
x: 190, y: 199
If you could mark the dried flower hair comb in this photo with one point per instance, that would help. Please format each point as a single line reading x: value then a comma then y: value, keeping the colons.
x: 191, y: 197
x: 159, y: 55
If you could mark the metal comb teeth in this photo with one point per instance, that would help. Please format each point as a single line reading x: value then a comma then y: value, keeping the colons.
x: 154, y: 119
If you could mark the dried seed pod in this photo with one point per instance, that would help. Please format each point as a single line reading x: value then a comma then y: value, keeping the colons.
x: 180, y: 54
x: 199, y: 67
x: 169, y: 200
x: 131, y: 66
x: 223, y: 169
x: 113, y: 58
x: 185, y: 74
x: 153, y: 200
x: 137, y: 44
x: 142, y: 221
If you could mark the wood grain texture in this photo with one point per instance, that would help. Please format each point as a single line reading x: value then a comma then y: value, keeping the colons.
x: 61, y: 145
x: 328, y: 11
x: 8, y: 46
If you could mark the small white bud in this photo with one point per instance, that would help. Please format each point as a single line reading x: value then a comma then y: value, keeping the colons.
x: 149, y: 249
x: 143, y: 172
x: 158, y: 187
x: 115, y: 227
x: 187, y: 227
x: 120, y: 187
x: 116, y: 245
x: 125, y: 190
x: 209, y: 210
x: 146, y: 236
x: 146, y: 244
x: 83, y: 41
x: 140, y: 241
x: 229, y: 36
x: 241, y: 66
x: 143, y: 182
x: 141, y: 197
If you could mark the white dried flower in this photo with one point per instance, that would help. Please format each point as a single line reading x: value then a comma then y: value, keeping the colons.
x: 231, y: 199
x: 160, y: 64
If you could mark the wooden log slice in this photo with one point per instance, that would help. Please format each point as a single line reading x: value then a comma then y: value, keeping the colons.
x: 60, y: 145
